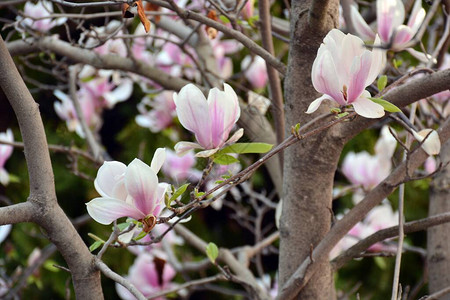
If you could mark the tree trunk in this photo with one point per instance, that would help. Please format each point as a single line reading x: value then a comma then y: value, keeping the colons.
x: 439, y: 236
x: 310, y: 165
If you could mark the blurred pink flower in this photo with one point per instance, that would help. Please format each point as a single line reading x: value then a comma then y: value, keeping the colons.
x: 390, y: 17
x: 33, y: 14
x: 5, y: 153
x: 149, y: 275
x: 210, y: 120
x: 430, y: 165
x: 181, y: 168
x: 343, y: 69
x: 255, y: 71
x: 378, y: 218
x: 129, y: 191
x: 369, y: 170
x: 156, y: 114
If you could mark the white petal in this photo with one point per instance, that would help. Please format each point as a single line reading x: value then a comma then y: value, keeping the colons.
x: 182, y: 148
x: 158, y: 159
x: 316, y: 103
x: 236, y: 136
x: 367, y: 108
x: 432, y: 144
x: 110, y: 179
x: 206, y: 153
x: 106, y: 210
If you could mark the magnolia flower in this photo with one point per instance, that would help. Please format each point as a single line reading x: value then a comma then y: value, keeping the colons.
x: 149, y: 275
x: 390, y: 17
x: 161, y: 114
x: 129, y: 191
x: 380, y: 217
x: 432, y: 143
x: 343, y: 69
x: 430, y: 165
x: 255, y: 71
x: 181, y: 168
x: 5, y: 153
x: 210, y: 120
x: 4, y: 232
x: 369, y: 170
x: 37, y: 16
x: 66, y: 111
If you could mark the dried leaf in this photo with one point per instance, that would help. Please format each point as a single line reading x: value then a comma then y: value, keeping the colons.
x: 153, y: 7
x: 142, y: 16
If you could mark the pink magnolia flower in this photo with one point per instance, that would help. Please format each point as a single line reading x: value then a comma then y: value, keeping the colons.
x: 390, y: 17
x: 343, y: 69
x: 149, y: 275
x: 175, y: 62
x: 161, y: 112
x: 430, y: 165
x: 66, y: 111
x: 129, y: 191
x: 369, y: 170
x: 181, y: 168
x: 379, y: 218
x: 255, y: 71
x: 5, y: 153
x: 34, y: 12
x: 210, y: 120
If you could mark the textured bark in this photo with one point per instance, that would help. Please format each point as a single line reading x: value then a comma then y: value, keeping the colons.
x: 306, y: 203
x: 438, y: 248
x: 42, y: 207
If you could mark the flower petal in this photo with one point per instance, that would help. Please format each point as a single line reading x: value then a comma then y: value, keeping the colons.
x: 236, y: 136
x: 193, y: 113
x: 367, y: 108
x: 181, y: 148
x: 106, y: 210
x: 141, y: 183
x: 359, y: 72
x: 361, y: 27
x: 316, y: 103
x: 432, y: 144
x: 417, y: 16
x: 390, y: 15
x: 109, y: 182
x: 206, y: 153
x: 158, y: 159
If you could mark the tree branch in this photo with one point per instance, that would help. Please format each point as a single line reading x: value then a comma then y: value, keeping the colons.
x: 320, y: 254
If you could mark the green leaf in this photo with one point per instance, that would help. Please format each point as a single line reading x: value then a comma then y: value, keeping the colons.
x: 179, y: 192
x: 140, y: 236
x: 198, y: 194
x: 381, y: 83
x: 50, y: 265
x: 341, y: 115
x: 14, y: 178
x: 95, y: 245
x: 123, y: 226
x: 167, y: 200
x: 225, y: 159
x: 380, y: 262
x: 243, y: 148
x: 212, y: 252
x: 224, y: 19
x: 388, y: 106
x: 397, y: 63
x: 93, y: 236
x: 251, y: 21
x: 335, y: 110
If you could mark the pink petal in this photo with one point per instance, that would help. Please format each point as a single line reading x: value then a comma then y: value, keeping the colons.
x: 224, y: 112
x: 236, y: 136
x: 141, y: 183
x: 367, y: 108
x: 109, y: 182
x: 403, y: 34
x: 325, y: 78
x: 359, y: 72
x: 106, y: 210
x: 378, y: 62
x: 417, y: 16
x: 390, y: 15
x: 193, y: 113
x: 364, y: 30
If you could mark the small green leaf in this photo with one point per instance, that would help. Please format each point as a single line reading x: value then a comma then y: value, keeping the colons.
x: 381, y: 83
x: 87, y: 79
x: 397, y: 63
x: 198, y: 194
x: 297, y: 127
x: 13, y: 178
x: 167, y: 200
x: 179, y: 192
x: 225, y: 159
x: 140, y: 236
x: 212, y: 252
x: 50, y: 265
x: 95, y: 245
x: 251, y: 21
x: 123, y: 226
x: 341, y: 115
x: 224, y: 19
x: 243, y: 148
x: 380, y: 262
x: 335, y: 110
x: 388, y: 106
x: 93, y: 236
